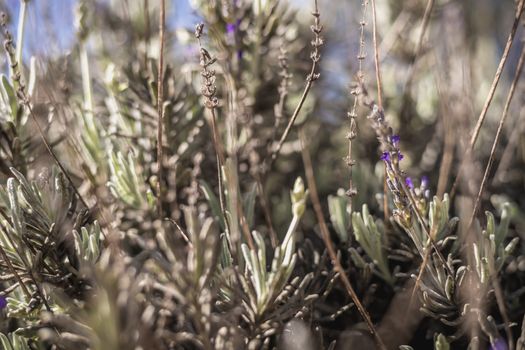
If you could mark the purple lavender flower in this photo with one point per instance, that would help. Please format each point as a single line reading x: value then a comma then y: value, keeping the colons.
x: 385, y: 156
x: 409, y: 183
x: 3, y: 302
x: 395, y: 140
x: 230, y: 28
x: 231, y: 31
x: 400, y: 155
x: 424, y: 181
x: 499, y: 344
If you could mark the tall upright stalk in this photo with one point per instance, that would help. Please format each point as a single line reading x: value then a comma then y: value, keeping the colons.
x: 20, y: 34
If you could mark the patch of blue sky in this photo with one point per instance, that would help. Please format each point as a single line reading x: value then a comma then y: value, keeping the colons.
x: 50, y: 25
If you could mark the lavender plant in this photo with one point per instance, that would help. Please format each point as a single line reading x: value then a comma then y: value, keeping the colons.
x: 151, y: 192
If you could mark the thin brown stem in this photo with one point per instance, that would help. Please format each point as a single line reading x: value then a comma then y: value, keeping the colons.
x: 147, y: 30
x: 424, y: 26
x: 312, y: 76
x: 53, y: 154
x: 386, y: 211
x: 266, y: 212
x: 13, y: 270
x: 419, y: 46
x: 507, y: 154
x: 160, y: 109
x: 448, y: 148
x: 495, y: 283
x: 294, y: 116
x: 352, y: 115
x: 483, y: 114
x: 500, y: 301
x: 393, y: 35
x: 498, y: 135
x: 379, y: 99
x: 376, y: 57
x: 426, y: 257
x: 312, y: 188
x: 181, y: 231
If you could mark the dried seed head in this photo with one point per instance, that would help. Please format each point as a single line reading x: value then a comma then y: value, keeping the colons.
x: 81, y: 17
x: 198, y: 30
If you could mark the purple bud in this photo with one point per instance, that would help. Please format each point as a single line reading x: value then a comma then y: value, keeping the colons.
x: 395, y: 140
x: 499, y: 344
x: 409, y: 183
x: 385, y: 156
x: 424, y: 181
x: 400, y: 155
x: 230, y: 28
x: 3, y: 302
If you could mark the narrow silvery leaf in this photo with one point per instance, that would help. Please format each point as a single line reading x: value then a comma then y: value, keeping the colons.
x: 213, y: 202
x: 13, y: 102
x: 441, y: 343
x: 249, y: 204
x: 16, y: 213
x: 5, y: 342
x: 449, y: 288
x: 338, y: 216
